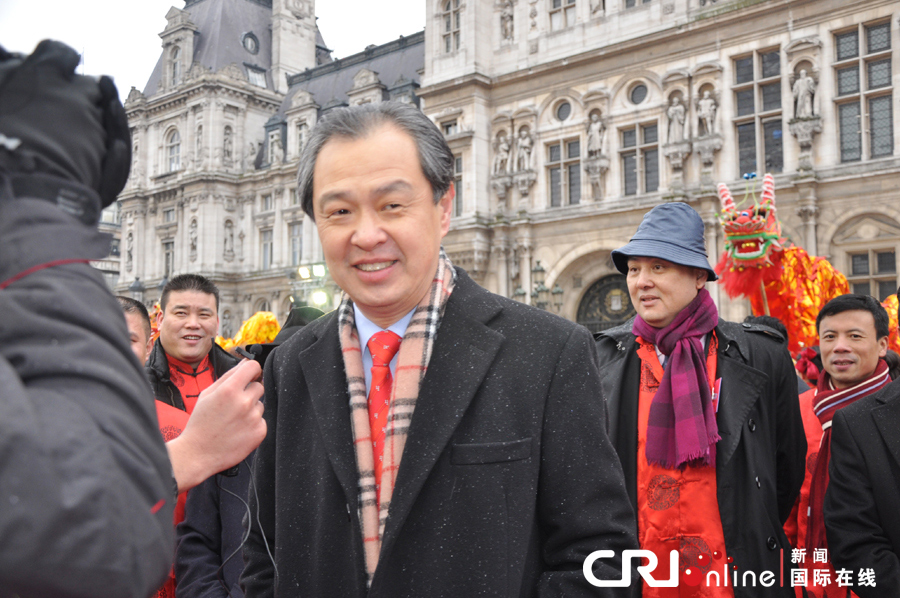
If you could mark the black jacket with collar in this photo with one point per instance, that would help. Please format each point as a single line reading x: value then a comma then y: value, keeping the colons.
x: 761, y: 456
x: 164, y: 389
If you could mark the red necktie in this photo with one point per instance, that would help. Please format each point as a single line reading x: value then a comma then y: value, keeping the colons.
x: 383, y: 346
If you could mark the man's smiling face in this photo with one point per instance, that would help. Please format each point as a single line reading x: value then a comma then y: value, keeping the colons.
x: 850, y: 347
x: 188, y: 325
x: 380, y: 228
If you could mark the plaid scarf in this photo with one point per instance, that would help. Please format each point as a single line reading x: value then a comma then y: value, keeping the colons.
x: 682, y: 425
x: 412, y: 363
x: 827, y: 402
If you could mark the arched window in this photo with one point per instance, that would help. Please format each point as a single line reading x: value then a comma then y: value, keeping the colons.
x: 173, y: 151
x: 176, y: 65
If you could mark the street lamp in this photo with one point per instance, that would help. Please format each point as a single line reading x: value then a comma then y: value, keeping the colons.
x: 519, y: 294
x: 557, y: 293
x: 540, y: 294
x: 137, y: 290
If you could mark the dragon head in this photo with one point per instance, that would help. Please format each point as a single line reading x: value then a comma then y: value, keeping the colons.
x: 753, y: 232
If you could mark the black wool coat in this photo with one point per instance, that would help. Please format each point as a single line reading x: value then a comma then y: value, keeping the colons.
x: 507, y: 482
x: 862, y: 503
x: 761, y: 456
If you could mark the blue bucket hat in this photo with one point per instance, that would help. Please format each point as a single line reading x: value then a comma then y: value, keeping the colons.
x: 672, y: 232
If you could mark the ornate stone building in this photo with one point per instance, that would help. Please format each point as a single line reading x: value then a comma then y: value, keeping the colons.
x: 569, y: 120
x: 572, y: 118
x: 217, y: 134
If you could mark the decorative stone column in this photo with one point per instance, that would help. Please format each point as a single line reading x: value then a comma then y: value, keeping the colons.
x: 808, y: 210
x: 500, y: 252
x: 711, y: 236
x: 523, y: 252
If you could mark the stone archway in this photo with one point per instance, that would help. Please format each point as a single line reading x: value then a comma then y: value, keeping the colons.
x: 605, y: 304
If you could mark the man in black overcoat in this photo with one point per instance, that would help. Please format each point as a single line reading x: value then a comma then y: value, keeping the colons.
x: 493, y: 474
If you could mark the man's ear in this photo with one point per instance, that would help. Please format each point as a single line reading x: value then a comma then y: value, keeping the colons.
x: 445, y: 206
x: 702, y: 277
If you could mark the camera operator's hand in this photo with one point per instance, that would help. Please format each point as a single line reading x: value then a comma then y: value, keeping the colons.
x: 225, y: 426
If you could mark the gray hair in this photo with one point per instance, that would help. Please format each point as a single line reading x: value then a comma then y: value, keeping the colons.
x: 356, y: 122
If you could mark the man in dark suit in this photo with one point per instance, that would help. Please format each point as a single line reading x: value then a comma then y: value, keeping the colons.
x: 471, y: 461
x: 862, y: 520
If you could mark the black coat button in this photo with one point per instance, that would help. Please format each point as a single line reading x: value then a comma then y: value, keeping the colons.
x: 752, y: 425
x: 772, y: 543
x: 758, y: 485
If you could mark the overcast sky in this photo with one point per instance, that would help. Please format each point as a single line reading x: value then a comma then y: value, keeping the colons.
x: 121, y: 37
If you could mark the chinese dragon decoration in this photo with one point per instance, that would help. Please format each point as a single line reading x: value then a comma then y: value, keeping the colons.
x: 780, y: 279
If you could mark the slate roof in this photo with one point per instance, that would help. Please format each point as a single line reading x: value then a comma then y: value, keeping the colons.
x: 221, y: 25
x: 329, y: 83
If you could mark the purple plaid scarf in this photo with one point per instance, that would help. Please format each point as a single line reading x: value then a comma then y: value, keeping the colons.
x: 682, y: 425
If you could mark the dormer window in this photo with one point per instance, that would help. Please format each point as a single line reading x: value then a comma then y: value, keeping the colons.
x: 256, y: 76
x: 176, y: 65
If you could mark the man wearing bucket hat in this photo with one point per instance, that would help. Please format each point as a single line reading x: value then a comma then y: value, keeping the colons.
x: 703, y: 414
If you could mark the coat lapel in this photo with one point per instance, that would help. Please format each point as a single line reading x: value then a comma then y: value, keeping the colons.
x: 887, y: 418
x: 323, y: 369
x: 462, y: 356
x: 741, y: 386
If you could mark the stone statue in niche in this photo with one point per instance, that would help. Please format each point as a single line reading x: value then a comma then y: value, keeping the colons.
x: 192, y: 235
x: 506, y: 20
x: 228, y: 147
x: 595, y: 133
x: 676, y: 121
x: 129, y: 251
x: 250, y: 156
x: 523, y: 149
x: 706, y: 110
x: 501, y: 154
x: 229, y: 241
x: 804, y: 90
